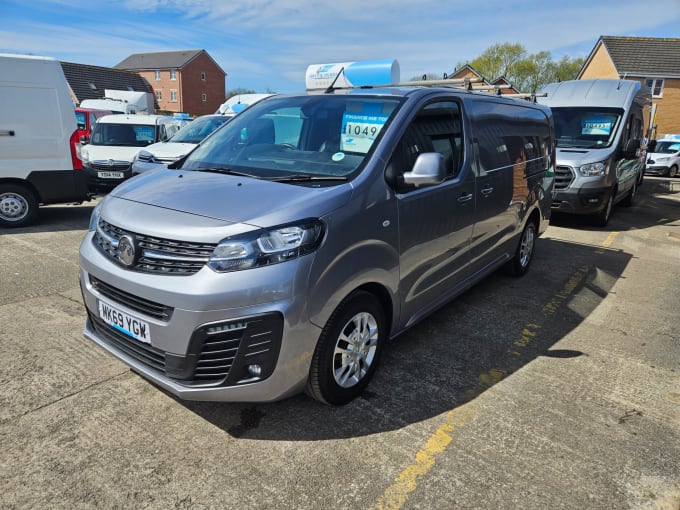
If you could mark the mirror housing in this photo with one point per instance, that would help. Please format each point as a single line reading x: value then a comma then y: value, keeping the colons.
x: 631, y: 148
x: 428, y: 170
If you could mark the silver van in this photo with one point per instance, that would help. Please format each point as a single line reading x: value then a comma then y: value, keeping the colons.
x: 601, y: 129
x: 284, y: 252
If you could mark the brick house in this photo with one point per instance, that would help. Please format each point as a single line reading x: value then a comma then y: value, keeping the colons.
x: 188, y: 81
x: 652, y: 61
x: 467, y: 71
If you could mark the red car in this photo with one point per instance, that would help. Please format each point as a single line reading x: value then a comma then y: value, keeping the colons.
x: 86, y: 118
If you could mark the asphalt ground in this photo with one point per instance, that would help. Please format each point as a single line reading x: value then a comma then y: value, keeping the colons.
x: 557, y: 390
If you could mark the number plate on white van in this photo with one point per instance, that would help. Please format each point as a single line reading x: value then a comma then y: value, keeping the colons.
x: 110, y: 175
x: 123, y: 322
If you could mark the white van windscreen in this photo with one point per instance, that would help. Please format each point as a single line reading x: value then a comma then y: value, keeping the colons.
x: 586, y: 127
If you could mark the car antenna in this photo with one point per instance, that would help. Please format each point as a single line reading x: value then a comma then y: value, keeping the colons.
x: 331, y: 87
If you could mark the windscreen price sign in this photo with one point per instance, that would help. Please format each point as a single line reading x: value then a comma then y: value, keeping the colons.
x: 359, y: 131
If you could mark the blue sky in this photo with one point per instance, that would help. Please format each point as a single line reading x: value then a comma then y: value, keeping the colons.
x: 268, y: 44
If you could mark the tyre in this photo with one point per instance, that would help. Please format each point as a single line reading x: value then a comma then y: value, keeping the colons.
x: 348, y: 350
x: 673, y: 172
x: 630, y: 197
x: 519, y: 264
x: 18, y: 206
x: 602, y: 218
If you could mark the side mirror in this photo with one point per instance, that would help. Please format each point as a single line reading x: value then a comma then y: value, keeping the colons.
x: 428, y: 170
x: 631, y: 148
x: 83, y: 139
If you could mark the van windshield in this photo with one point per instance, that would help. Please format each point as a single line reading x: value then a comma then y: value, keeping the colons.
x: 298, y: 138
x: 81, y: 119
x: 123, y: 135
x: 586, y: 128
x: 198, y: 129
x: 667, y: 147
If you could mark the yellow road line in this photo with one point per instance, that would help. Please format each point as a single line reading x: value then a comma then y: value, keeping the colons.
x: 397, y: 493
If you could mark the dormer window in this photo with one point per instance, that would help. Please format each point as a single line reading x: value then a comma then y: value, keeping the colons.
x: 656, y: 85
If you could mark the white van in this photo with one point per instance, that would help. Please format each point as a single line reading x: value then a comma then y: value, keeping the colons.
x: 116, y: 140
x: 601, y: 128
x: 39, y: 144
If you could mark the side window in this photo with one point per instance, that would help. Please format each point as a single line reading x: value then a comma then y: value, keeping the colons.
x: 436, y: 128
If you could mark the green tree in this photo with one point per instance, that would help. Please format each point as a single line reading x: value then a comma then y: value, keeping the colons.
x: 239, y: 91
x: 526, y: 72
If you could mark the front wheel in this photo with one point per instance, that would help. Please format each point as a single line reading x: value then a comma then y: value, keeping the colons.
x: 18, y: 206
x: 602, y: 218
x: 348, y: 350
x: 630, y: 198
x: 519, y: 264
x: 673, y: 172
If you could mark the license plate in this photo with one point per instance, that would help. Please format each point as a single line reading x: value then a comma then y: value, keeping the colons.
x: 123, y: 322
x: 110, y: 175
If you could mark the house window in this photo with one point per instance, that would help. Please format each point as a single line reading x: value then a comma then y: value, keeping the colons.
x: 656, y: 86
x: 173, y: 96
x: 203, y: 76
x: 159, y: 95
x: 173, y: 74
x: 204, y: 97
x: 158, y: 75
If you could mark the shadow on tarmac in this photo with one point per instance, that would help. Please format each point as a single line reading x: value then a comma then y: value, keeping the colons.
x: 653, y: 206
x: 459, y: 352
x: 57, y: 218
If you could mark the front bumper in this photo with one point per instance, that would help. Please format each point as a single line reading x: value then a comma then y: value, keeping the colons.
x: 99, y: 175
x: 258, y: 351
x: 580, y: 201
x: 657, y: 169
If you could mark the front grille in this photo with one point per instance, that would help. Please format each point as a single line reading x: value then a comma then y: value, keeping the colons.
x: 564, y: 176
x: 145, y: 306
x: 142, y: 352
x: 158, y: 255
x: 118, y: 166
x: 218, y: 354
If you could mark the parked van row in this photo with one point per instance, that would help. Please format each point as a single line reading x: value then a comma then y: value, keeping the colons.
x: 292, y: 244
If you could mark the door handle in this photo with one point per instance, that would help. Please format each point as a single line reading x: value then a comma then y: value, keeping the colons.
x: 6, y: 132
x: 465, y: 197
x: 487, y: 190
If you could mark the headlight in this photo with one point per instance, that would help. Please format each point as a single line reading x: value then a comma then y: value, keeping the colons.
x: 84, y: 155
x: 659, y: 160
x: 94, y: 217
x: 267, y: 246
x: 143, y: 156
x: 594, y: 169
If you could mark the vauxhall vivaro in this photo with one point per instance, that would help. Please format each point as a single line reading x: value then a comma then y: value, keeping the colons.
x: 287, y: 249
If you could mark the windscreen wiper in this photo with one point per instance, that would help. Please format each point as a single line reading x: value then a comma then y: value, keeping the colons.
x: 308, y: 178
x: 226, y: 171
